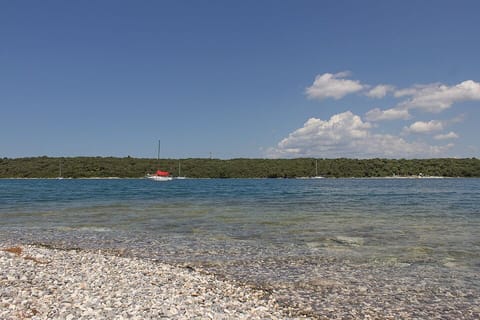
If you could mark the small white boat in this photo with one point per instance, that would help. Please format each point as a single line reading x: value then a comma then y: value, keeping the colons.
x: 180, y: 177
x: 60, y: 177
x: 160, y: 176
x: 156, y: 178
x: 316, y: 171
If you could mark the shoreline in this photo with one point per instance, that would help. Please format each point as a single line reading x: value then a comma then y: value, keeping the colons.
x: 256, y: 178
x: 43, y: 281
x: 40, y: 283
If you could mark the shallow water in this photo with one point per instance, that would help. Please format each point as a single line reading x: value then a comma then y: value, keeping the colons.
x: 309, y: 241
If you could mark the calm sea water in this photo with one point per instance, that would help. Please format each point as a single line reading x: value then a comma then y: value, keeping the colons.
x: 270, y: 232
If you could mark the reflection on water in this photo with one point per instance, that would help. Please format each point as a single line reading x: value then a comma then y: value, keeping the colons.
x: 301, y: 238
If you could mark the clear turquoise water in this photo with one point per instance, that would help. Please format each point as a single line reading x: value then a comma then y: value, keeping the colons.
x: 270, y: 232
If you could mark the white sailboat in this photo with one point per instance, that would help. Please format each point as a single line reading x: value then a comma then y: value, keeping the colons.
x: 316, y: 171
x: 159, y: 175
x: 180, y: 177
x: 60, y: 177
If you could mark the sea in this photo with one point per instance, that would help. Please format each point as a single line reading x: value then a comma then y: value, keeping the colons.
x: 405, y: 248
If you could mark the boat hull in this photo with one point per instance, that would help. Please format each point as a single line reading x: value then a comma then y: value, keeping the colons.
x: 159, y: 178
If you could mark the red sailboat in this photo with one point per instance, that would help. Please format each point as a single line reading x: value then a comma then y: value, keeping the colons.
x: 160, y: 175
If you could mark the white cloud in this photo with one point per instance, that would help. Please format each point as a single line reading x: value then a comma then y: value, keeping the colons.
x: 380, y: 91
x: 413, y: 90
x: 346, y: 135
x: 389, y: 114
x: 446, y: 136
x: 429, y: 98
x: 438, y: 97
x: 334, y: 86
x: 425, y: 127
x: 434, y: 97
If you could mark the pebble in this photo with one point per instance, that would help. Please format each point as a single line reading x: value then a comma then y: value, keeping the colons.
x: 75, y: 284
x: 48, y: 283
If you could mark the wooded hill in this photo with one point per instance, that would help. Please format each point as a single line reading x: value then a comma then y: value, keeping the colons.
x: 87, y: 167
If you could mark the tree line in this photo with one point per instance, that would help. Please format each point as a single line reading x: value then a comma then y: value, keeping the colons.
x: 128, y: 167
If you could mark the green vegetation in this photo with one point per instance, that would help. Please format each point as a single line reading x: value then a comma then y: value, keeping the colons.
x: 87, y: 167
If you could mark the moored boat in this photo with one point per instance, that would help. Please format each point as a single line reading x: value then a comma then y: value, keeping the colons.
x: 160, y: 176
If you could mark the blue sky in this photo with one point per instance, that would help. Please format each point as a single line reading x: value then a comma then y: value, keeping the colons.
x: 327, y: 79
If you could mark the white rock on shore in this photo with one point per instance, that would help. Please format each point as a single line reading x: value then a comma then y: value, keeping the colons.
x: 40, y: 283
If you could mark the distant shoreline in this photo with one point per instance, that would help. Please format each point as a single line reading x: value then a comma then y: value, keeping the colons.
x: 299, y: 178
x: 112, y: 168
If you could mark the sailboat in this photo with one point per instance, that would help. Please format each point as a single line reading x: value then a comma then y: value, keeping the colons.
x: 179, y: 173
x: 159, y: 175
x: 60, y: 170
x: 316, y: 171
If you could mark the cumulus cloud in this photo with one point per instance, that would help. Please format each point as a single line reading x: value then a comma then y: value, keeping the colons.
x: 447, y: 136
x: 346, y: 135
x: 432, y: 98
x: 399, y: 93
x: 438, y: 97
x: 335, y: 86
x: 380, y: 91
x: 389, y: 114
x: 425, y: 127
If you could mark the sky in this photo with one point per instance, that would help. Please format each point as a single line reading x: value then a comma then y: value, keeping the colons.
x: 240, y: 79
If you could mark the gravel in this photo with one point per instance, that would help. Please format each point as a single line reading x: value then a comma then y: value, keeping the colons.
x: 46, y: 283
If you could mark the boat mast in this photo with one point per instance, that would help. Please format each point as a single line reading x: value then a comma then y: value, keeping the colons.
x: 158, y: 152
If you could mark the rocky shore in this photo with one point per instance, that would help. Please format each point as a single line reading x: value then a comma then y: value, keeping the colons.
x: 46, y: 283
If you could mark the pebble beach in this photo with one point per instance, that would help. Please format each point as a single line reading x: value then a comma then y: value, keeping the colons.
x: 38, y: 282
x: 127, y: 249
x: 45, y: 283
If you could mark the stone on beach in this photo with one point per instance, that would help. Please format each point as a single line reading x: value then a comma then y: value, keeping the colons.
x: 42, y: 283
